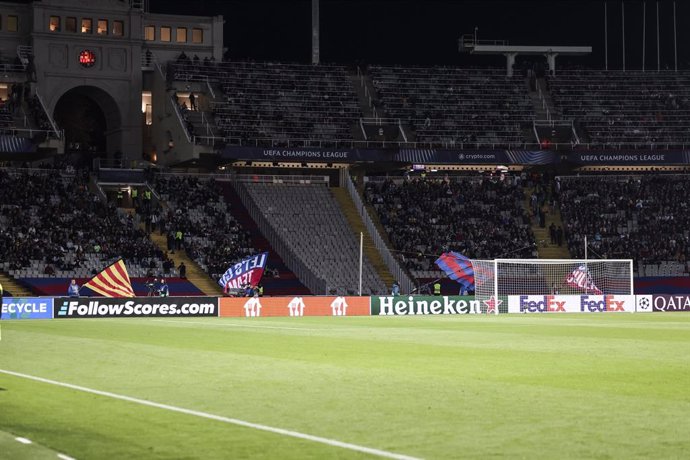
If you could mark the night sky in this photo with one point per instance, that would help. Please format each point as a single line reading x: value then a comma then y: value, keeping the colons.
x: 426, y: 31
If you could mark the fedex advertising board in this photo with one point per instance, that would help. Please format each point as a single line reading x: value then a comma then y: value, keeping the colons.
x: 571, y: 303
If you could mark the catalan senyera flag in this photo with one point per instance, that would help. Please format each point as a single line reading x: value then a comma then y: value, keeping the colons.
x: 113, y: 281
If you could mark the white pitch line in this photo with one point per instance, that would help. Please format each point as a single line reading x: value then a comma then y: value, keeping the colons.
x: 235, y: 325
x: 65, y: 457
x: 219, y: 418
x: 23, y: 440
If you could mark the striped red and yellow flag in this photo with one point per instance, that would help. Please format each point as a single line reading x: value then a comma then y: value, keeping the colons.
x: 113, y: 281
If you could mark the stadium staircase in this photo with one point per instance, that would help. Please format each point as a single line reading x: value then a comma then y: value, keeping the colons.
x: 10, y: 286
x: 545, y: 249
x: 356, y: 225
x: 195, y: 274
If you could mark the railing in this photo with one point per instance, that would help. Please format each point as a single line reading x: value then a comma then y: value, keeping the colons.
x: 210, y: 88
x: 575, y: 136
x: 315, y: 284
x: 282, y: 179
x: 176, y: 108
x: 536, y: 132
x: 56, y: 131
x: 506, y: 145
x: 391, y: 262
x: 544, y: 105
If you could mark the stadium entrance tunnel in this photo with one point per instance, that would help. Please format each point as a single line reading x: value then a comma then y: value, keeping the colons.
x: 91, y: 120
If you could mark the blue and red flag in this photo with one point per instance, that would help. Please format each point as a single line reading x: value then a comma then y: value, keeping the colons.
x: 458, y: 268
x: 246, y: 272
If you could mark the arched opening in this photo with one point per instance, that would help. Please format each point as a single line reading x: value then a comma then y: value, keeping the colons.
x: 91, y: 121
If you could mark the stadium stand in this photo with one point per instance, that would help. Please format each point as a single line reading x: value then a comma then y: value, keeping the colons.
x: 211, y: 235
x: 631, y: 109
x: 274, y: 104
x: 53, y: 229
x: 639, y: 217
x: 217, y: 230
x: 454, y: 107
x: 476, y: 216
x: 313, y: 225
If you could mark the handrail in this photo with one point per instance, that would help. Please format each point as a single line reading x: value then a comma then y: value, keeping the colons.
x: 402, y: 131
x: 50, y: 119
x: 176, y: 108
x: 577, y: 138
x: 536, y: 133
x: 391, y: 262
x: 210, y: 88
x: 315, y: 284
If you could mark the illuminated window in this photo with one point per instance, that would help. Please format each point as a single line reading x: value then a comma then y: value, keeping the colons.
x: 146, y: 107
x: 181, y: 35
x: 86, y: 26
x: 149, y: 33
x: 71, y: 24
x: 102, y: 28
x: 54, y: 24
x: 197, y: 36
x: 118, y: 28
x: 12, y: 23
x: 165, y: 34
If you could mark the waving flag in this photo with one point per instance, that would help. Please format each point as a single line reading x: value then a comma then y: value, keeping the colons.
x: 113, y: 281
x: 458, y: 268
x: 248, y: 271
x: 581, y: 278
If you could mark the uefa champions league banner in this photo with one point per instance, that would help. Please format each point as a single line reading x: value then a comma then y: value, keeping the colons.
x: 27, y: 308
x: 571, y: 303
x: 632, y: 157
x: 399, y: 155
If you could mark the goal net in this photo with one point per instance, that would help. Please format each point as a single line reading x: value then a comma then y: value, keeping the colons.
x: 496, y: 279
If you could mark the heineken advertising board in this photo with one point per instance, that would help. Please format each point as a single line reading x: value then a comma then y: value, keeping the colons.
x: 424, y: 305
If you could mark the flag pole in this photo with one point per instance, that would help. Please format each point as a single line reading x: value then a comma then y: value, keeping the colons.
x: 586, y: 268
x: 361, y: 256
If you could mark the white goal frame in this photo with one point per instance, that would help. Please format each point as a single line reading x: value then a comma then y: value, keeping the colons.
x: 487, y: 278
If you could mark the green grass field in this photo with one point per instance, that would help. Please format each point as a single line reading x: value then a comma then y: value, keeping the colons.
x: 550, y: 386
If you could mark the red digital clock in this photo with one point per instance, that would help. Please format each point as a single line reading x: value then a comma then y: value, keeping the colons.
x: 87, y: 58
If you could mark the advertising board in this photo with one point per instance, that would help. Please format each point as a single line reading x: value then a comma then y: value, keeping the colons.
x: 27, y: 308
x: 294, y: 306
x: 130, y: 307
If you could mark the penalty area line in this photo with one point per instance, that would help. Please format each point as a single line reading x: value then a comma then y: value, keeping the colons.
x: 219, y: 418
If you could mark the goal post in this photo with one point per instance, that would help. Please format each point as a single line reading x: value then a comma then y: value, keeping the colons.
x: 496, y: 279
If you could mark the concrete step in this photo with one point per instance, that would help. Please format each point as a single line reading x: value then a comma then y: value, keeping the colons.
x: 10, y: 285
x: 545, y: 248
x: 356, y: 225
x: 195, y: 274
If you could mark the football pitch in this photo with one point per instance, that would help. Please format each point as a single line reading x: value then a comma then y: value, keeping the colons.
x: 541, y: 386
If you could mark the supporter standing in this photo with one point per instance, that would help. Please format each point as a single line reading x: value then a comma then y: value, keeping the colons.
x: 73, y: 289
x: 163, y: 291
x: 437, y: 288
x: 395, y: 291
x: 1, y: 293
x: 183, y: 270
